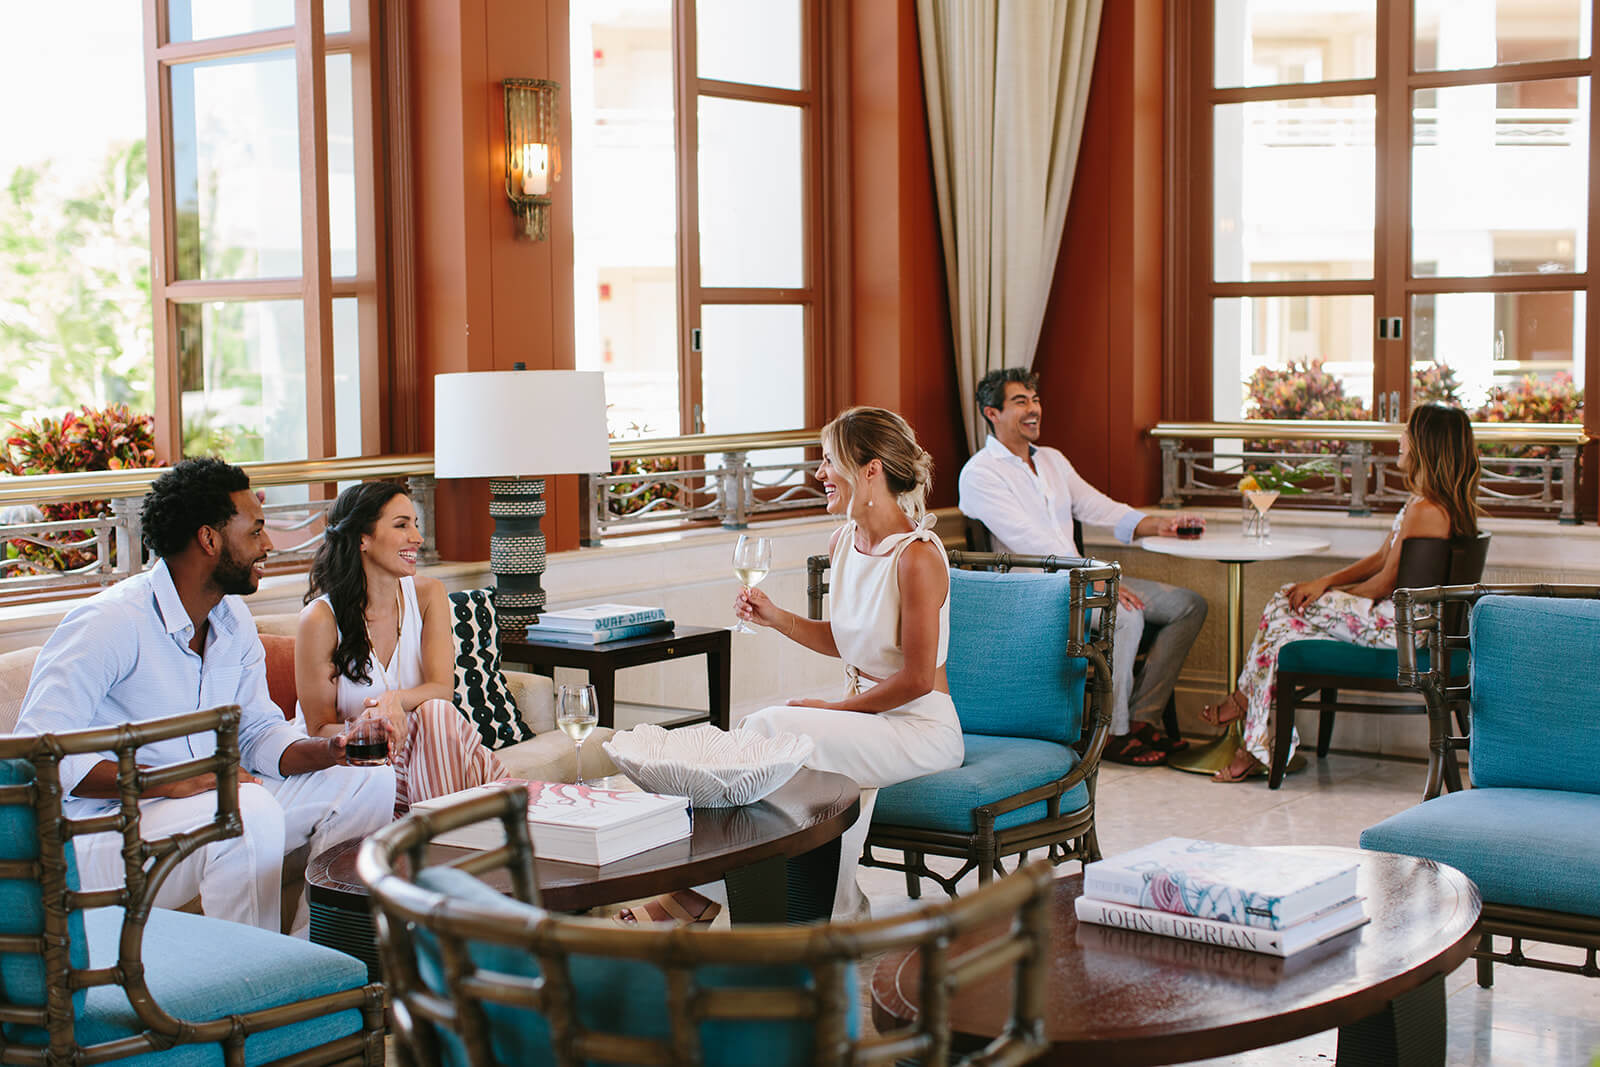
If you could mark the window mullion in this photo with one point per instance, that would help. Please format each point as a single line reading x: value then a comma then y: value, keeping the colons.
x: 687, y: 123
x: 163, y: 230
x: 315, y: 251
x: 1392, y: 219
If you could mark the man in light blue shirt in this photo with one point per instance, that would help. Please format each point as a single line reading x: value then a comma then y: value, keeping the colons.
x: 178, y: 638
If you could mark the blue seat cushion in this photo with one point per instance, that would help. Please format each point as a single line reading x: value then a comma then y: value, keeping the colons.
x: 994, y: 768
x: 617, y: 996
x: 1008, y: 669
x: 1535, y: 698
x: 1354, y: 661
x: 22, y: 976
x: 204, y: 969
x: 1534, y: 848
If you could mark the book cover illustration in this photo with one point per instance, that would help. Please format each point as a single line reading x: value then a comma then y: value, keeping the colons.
x: 589, y: 807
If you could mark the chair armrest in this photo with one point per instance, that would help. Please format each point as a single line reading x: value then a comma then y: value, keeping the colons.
x: 536, y: 699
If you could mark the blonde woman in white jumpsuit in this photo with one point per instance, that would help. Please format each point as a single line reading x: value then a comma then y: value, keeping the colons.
x: 889, y: 621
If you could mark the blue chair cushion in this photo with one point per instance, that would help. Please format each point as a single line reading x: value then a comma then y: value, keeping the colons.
x: 22, y: 976
x: 1354, y: 661
x: 1535, y: 702
x: 1008, y: 669
x: 994, y: 768
x: 1534, y: 848
x: 616, y: 995
x: 204, y: 969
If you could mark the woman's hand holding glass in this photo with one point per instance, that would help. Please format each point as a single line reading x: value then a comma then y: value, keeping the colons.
x: 752, y: 605
x: 752, y: 559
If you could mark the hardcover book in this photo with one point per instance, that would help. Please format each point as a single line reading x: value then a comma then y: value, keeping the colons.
x: 578, y: 823
x: 597, y: 617
x: 600, y: 637
x: 1331, y: 922
x: 1269, y: 888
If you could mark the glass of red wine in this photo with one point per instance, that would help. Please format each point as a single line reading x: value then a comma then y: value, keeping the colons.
x: 1189, y: 528
x: 366, y: 743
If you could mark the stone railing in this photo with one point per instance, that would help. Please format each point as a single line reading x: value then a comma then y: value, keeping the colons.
x: 1206, y: 459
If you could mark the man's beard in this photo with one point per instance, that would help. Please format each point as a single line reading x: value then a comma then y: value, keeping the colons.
x: 234, y: 576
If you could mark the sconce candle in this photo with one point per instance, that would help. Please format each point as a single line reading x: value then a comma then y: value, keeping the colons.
x: 536, y: 169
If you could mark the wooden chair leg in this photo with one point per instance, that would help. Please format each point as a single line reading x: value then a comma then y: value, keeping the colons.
x: 1485, y: 955
x: 1282, y: 732
x: 1325, y: 724
x: 913, y: 863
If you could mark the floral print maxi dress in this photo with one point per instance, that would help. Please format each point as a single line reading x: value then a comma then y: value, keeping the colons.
x: 1334, y: 616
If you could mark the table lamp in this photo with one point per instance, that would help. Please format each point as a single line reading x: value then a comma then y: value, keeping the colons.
x: 508, y: 426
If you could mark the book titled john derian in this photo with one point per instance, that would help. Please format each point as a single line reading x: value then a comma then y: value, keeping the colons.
x: 1269, y: 888
x: 1313, y: 930
x: 578, y: 823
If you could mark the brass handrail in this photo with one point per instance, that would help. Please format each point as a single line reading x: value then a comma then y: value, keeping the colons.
x: 700, y: 444
x: 1511, y: 433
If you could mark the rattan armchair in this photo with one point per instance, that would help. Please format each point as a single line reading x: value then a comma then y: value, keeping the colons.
x: 91, y: 977
x: 1033, y: 691
x: 479, y: 978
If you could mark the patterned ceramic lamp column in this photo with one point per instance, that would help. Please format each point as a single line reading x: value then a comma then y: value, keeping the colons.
x: 516, y: 551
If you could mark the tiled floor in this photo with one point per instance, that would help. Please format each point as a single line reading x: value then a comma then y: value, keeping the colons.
x: 1530, y: 1017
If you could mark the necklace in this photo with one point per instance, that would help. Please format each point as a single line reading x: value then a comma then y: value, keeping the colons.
x: 399, y: 626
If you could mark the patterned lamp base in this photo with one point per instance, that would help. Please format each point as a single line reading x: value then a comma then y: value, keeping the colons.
x: 516, y: 551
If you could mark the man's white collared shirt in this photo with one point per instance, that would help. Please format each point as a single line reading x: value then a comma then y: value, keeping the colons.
x: 1030, y: 513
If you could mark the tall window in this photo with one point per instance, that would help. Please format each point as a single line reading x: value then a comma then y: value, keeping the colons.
x: 266, y: 286
x: 1398, y: 191
x: 697, y: 126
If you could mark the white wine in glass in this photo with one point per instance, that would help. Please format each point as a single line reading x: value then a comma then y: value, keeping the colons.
x: 752, y: 559
x: 577, y: 714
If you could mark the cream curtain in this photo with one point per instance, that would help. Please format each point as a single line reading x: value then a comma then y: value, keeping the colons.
x: 1007, y: 84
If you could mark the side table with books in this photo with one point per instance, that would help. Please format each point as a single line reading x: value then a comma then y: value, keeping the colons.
x: 607, y: 638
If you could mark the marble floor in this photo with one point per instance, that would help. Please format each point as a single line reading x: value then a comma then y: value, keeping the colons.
x: 1530, y: 1017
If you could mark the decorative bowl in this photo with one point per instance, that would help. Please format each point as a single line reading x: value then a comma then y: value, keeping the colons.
x: 713, y: 768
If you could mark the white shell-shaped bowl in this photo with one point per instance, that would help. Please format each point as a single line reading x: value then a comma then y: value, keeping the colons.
x: 713, y: 768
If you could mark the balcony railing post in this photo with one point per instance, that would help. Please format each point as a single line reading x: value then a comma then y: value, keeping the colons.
x: 1569, y: 484
x: 733, y: 482
x: 421, y: 489
x: 1169, y: 473
x: 591, y: 528
x: 1360, y: 454
x: 129, y: 513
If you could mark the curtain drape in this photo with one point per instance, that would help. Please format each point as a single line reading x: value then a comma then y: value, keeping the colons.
x: 1007, y: 85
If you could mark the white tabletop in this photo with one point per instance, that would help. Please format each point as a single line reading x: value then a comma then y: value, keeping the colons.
x: 1231, y: 548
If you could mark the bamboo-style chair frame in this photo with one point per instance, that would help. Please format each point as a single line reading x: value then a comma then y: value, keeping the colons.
x: 830, y: 951
x: 1430, y: 614
x: 147, y: 864
x: 1092, y: 584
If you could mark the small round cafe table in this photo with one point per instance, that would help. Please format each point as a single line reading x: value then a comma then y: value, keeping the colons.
x: 1235, y: 551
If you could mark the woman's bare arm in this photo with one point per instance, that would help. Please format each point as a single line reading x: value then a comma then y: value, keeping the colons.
x: 314, y: 682
x: 438, y: 658
x: 1423, y: 519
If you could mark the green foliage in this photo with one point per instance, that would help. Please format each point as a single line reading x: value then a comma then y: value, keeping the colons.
x: 88, y: 439
x: 1300, y: 391
x: 1531, y: 399
x: 1436, y: 383
x: 75, y: 319
x: 1282, y: 478
x: 618, y: 502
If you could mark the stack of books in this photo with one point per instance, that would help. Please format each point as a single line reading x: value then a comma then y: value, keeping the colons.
x: 577, y: 823
x: 599, y: 623
x: 1262, y: 900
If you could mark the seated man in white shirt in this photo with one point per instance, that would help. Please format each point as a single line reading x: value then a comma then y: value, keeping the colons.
x: 1028, y: 497
x: 176, y: 639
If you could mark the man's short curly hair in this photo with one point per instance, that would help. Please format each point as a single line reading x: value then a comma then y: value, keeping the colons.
x: 194, y: 493
x: 991, y: 389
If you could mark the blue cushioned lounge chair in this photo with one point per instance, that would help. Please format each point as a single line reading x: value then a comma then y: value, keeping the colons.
x: 88, y: 977
x: 480, y: 978
x: 1526, y: 833
x: 1020, y: 666
x: 1333, y: 667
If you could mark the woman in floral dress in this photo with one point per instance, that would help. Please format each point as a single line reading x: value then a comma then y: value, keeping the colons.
x: 1440, y: 462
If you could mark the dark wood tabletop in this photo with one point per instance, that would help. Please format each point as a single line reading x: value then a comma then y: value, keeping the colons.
x: 1126, y: 997
x: 812, y: 809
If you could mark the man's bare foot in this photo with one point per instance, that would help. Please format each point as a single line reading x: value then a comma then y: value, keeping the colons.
x: 1226, y: 710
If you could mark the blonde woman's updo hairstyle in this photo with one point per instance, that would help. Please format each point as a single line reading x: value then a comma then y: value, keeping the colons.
x: 859, y: 435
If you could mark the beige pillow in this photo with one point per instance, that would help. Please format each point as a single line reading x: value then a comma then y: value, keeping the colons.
x: 15, y: 670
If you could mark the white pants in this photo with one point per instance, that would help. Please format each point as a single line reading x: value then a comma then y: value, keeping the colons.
x: 240, y: 878
x: 875, y: 750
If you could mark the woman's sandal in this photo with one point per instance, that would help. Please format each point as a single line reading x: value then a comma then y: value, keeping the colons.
x: 1255, y: 769
x: 1218, y: 714
x: 1129, y: 749
x: 683, y: 907
x: 1159, y: 741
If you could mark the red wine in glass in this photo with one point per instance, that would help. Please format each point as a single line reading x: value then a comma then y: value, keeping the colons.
x: 1189, y: 529
x: 367, y: 753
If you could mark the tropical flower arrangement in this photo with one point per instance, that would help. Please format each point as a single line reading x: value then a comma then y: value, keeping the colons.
x: 1282, y: 478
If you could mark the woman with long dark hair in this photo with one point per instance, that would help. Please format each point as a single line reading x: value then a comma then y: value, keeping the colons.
x: 1440, y: 462
x: 374, y: 642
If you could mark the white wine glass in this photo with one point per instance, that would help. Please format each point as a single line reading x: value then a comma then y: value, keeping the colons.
x: 752, y: 559
x: 577, y: 715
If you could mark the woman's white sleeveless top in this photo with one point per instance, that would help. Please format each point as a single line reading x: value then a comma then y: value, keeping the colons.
x: 865, y: 603
x: 404, y: 669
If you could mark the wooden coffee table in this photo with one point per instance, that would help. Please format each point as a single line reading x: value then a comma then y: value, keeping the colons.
x: 779, y: 858
x: 1124, y: 997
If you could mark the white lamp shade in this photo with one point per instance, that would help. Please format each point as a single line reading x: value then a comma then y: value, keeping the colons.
x: 509, y: 424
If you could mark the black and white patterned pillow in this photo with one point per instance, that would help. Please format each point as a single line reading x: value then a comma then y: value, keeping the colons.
x: 482, y: 694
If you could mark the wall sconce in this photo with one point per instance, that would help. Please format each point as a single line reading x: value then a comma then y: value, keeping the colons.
x: 533, y: 151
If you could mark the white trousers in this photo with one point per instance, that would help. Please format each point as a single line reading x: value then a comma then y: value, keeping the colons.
x: 240, y: 878
x: 874, y: 750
